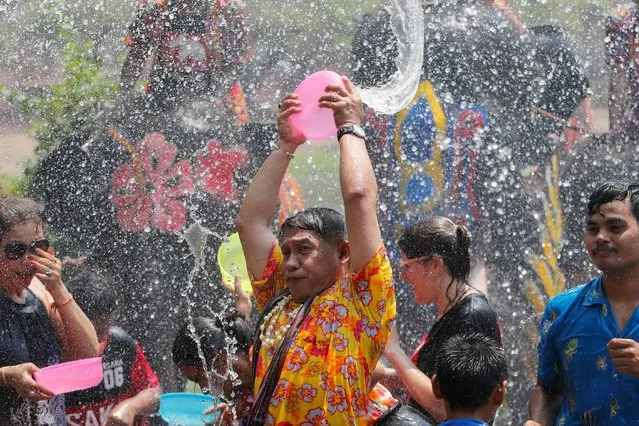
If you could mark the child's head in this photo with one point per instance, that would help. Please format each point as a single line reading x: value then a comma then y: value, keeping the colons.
x: 214, y: 336
x: 94, y: 294
x: 471, y: 376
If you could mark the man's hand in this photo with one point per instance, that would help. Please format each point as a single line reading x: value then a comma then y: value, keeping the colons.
x: 122, y: 414
x: 392, y: 346
x: 20, y: 378
x: 625, y: 356
x: 290, y: 136
x: 221, y: 412
x: 345, y: 102
x: 242, y: 299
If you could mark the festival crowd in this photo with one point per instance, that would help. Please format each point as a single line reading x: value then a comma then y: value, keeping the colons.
x: 325, y: 349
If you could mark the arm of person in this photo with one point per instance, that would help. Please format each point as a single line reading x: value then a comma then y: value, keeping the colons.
x: 543, y: 406
x: 618, y: 57
x: 73, y: 329
x: 147, y: 398
x: 20, y: 378
x: 618, y: 89
x: 357, y: 178
x: 143, y: 403
x: 255, y: 218
x: 242, y: 300
x: 418, y: 384
x: 142, y: 40
x: 233, y: 37
x: 546, y: 396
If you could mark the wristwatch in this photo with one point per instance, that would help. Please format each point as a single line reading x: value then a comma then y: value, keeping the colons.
x: 351, y: 128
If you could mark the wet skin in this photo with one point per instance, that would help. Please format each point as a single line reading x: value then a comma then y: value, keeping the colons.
x: 16, y: 275
x: 310, y: 264
x: 612, y: 237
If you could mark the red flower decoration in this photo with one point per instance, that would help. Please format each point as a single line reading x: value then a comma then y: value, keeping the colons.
x: 152, y: 199
x: 216, y: 169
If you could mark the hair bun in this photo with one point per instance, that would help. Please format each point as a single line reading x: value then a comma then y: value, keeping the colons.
x: 463, y: 238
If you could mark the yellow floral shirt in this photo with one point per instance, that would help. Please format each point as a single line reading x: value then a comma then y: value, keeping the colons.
x: 324, y: 380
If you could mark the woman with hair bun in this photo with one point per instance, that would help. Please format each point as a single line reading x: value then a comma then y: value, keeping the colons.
x: 435, y: 261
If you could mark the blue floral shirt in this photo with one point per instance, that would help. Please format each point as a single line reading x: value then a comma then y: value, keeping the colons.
x: 463, y: 422
x: 574, y: 332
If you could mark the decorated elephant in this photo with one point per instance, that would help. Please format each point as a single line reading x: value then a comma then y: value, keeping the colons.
x: 151, y: 191
x: 478, y: 143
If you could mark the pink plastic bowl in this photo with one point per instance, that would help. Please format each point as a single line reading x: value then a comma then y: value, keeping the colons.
x: 71, y: 376
x: 316, y: 123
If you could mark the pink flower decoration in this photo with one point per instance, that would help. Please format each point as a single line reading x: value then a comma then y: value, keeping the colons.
x: 155, y: 202
x: 216, y: 168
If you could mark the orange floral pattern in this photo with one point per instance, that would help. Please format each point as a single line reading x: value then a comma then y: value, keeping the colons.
x: 326, y: 370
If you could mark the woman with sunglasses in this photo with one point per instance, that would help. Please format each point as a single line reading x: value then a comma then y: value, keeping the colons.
x: 40, y: 324
x: 435, y: 261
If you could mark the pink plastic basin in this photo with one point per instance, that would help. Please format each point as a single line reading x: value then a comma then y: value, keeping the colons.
x: 314, y: 122
x: 71, y: 376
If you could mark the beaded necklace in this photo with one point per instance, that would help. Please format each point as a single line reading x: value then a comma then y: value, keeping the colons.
x: 270, y: 335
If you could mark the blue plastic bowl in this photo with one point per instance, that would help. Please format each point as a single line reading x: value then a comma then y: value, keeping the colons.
x: 185, y: 409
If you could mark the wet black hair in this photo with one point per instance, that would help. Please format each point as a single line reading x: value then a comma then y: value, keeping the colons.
x: 439, y: 236
x: 212, y: 334
x: 94, y: 294
x: 17, y: 210
x: 327, y: 223
x: 469, y: 368
x: 614, y: 190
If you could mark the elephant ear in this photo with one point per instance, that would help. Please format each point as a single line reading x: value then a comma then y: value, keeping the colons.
x: 63, y: 182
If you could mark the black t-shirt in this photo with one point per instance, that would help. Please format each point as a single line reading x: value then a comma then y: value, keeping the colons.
x: 27, y: 335
x: 472, y: 313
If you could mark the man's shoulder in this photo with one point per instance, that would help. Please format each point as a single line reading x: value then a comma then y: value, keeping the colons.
x: 562, y: 302
x: 565, y: 297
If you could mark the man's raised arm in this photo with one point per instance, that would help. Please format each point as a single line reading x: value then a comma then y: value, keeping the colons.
x: 357, y: 179
x: 254, y: 221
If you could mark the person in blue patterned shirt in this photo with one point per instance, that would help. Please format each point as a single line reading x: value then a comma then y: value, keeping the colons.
x: 588, y: 348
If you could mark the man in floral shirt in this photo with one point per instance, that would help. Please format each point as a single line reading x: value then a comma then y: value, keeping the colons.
x: 346, y: 287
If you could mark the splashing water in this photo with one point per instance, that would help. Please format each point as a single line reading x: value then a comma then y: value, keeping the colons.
x: 407, y: 23
x: 196, y: 237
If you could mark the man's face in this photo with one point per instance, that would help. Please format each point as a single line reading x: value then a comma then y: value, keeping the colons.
x: 612, y: 237
x: 17, y: 274
x: 310, y: 264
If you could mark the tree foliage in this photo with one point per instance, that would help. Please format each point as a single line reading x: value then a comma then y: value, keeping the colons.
x: 73, y: 104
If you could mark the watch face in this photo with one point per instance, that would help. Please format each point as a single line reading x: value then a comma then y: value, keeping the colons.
x: 354, y: 129
x: 359, y: 131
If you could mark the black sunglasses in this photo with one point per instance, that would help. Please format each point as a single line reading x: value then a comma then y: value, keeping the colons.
x: 14, y: 250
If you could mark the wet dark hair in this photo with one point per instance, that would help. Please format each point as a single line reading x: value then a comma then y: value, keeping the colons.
x: 469, y: 368
x: 614, y: 190
x: 439, y: 236
x: 212, y: 334
x: 327, y: 223
x: 94, y: 294
x: 16, y: 210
